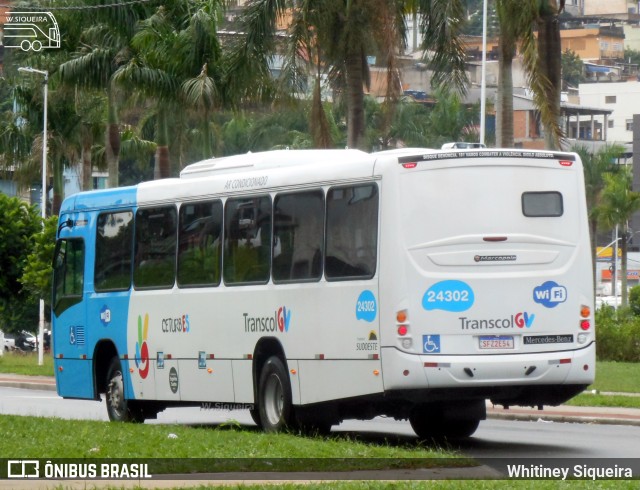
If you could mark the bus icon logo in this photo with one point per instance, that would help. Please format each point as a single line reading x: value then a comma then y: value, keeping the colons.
x: 30, y: 31
x: 23, y: 468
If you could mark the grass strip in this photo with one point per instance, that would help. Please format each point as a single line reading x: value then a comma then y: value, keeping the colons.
x: 26, y: 363
x: 597, y: 400
x: 180, y: 447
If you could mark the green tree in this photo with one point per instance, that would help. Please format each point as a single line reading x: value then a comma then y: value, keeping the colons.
x: 632, y: 56
x: 451, y: 120
x: 618, y: 204
x: 596, y: 166
x: 19, y: 222
x: 572, y: 69
x: 37, y: 272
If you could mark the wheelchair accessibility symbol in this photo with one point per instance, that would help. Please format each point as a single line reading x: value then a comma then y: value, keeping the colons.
x: 431, y: 344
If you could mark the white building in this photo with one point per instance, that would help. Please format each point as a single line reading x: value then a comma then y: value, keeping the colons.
x: 621, y: 97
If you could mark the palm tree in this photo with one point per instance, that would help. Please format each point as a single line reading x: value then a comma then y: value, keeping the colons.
x: 542, y: 62
x: 347, y: 31
x: 103, y: 48
x: 618, y: 204
x: 512, y: 25
x: 549, y: 83
x: 176, y: 62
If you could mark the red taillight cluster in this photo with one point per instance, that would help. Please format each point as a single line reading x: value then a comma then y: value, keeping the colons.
x: 402, y: 327
x: 585, y: 313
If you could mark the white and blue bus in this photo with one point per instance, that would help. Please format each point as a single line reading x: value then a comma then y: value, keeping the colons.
x: 315, y: 286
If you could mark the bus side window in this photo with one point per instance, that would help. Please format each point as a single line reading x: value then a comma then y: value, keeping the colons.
x: 68, y: 274
x: 247, y: 240
x: 298, y: 228
x: 352, y: 232
x: 114, y: 240
x: 155, y: 248
x: 199, y: 244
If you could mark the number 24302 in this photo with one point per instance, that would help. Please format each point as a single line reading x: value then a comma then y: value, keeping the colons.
x: 447, y: 296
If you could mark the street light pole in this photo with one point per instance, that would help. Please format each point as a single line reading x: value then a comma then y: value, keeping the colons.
x: 483, y: 82
x: 43, y: 201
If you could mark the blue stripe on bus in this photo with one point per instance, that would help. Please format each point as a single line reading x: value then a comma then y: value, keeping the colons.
x: 89, y: 316
x: 101, y: 199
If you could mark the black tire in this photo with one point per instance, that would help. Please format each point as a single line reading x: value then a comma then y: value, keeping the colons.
x: 274, y: 397
x: 429, y: 423
x: 119, y: 408
x: 312, y: 422
x: 255, y: 416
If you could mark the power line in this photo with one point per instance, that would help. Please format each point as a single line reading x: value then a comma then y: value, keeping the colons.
x: 46, y: 8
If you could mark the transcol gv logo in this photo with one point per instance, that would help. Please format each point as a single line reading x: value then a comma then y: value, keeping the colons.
x: 142, y: 349
x: 280, y: 321
x: 284, y: 317
x: 524, y: 319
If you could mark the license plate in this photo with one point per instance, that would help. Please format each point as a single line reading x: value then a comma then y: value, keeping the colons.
x: 498, y: 342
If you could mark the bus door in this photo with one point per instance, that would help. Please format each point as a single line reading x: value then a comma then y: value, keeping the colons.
x: 69, y: 309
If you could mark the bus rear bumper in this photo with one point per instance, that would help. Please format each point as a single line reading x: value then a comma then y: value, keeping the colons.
x: 409, y: 371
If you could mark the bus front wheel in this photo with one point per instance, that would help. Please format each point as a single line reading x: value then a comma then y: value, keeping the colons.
x: 119, y: 408
x: 274, y: 396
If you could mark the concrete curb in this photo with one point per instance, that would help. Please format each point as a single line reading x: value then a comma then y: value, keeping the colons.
x: 575, y: 419
x: 46, y: 383
x: 567, y: 413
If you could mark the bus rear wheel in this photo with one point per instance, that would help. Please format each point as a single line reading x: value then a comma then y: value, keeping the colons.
x: 312, y: 421
x: 431, y: 423
x: 274, y: 396
x: 119, y: 408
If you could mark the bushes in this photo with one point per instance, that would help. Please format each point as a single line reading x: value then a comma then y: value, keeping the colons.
x: 618, y: 334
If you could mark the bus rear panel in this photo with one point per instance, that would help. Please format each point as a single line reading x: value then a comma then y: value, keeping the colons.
x: 495, y: 288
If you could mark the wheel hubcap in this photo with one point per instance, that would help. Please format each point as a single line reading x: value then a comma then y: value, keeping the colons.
x: 116, y: 394
x: 274, y: 399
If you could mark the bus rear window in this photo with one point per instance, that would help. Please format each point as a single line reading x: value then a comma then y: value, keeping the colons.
x: 542, y: 204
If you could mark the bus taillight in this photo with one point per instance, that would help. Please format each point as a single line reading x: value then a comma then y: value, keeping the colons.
x: 585, y: 324
x: 585, y: 311
x: 403, y: 329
